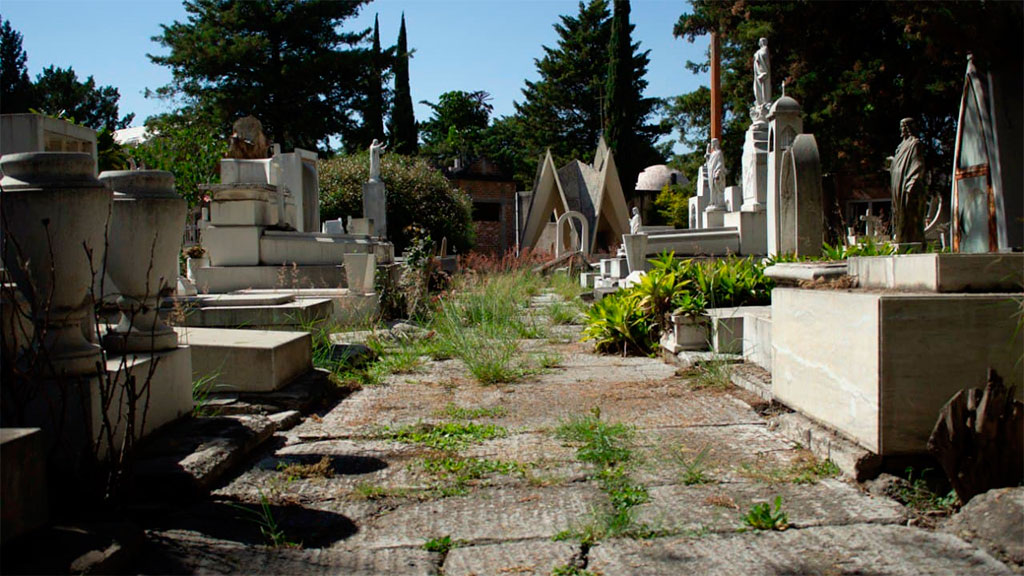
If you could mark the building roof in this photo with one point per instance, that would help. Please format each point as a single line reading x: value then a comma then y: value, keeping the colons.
x: 657, y: 176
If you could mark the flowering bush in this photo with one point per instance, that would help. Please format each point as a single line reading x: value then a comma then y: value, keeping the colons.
x: 416, y: 195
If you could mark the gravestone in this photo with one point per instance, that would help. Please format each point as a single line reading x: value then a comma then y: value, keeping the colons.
x: 700, y: 201
x: 800, y: 222
x: 785, y: 124
x: 375, y: 208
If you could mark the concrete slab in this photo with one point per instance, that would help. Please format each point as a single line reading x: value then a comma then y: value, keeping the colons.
x: 891, y: 359
x: 190, y: 552
x: 530, y: 557
x: 486, y: 516
x: 941, y: 272
x: 221, y: 279
x: 796, y: 272
x: 247, y: 360
x: 290, y: 316
x: 857, y: 549
x: 995, y: 521
x: 680, y: 508
x: 264, y: 299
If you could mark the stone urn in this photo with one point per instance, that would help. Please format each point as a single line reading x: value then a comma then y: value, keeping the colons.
x: 146, y: 227
x: 691, y: 332
x: 54, y: 214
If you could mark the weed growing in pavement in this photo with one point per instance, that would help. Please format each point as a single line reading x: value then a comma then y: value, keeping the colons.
x: 601, y: 443
x: 201, y: 389
x: 322, y: 469
x: 445, y: 435
x: 693, y: 468
x: 263, y: 517
x: 454, y: 475
x: 460, y: 413
x: 762, y: 517
x: 571, y: 570
x: 563, y: 313
x: 606, y: 446
x: 806, y: 469
x: 712, y: 375
x: 916, y: 493
x: 367, y: 491
x: 442, y: 544
x: 548, y: 360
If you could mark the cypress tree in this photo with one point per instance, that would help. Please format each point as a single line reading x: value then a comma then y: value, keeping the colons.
x: 15, y: 87
x: 618, y: 114
x: 403, y: 122
x: 375, y: 96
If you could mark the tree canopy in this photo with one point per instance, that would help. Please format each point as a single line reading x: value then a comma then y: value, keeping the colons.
x: 284, y: 61
x: 565, y: 109
x: 905, y: 59
x: 456, y: 128
x: 15, y: 86
x: 404, y: 136
x: 58, y: 92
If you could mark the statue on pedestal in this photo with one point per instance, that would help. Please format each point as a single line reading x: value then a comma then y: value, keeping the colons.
x: 762, y: 83
x: 375, y: 149
x: 635, y: 224
x: 716, y: 173
x: 906, y: 177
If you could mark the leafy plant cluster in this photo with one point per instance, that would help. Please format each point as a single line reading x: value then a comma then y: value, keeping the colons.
x: 631, y: 320
x: 606, y: 446
x: 445, y: 435
x: 762, y: 517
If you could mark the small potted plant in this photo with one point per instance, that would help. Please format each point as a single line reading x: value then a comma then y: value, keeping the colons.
x: 196, y: 258
x: 689, y: 325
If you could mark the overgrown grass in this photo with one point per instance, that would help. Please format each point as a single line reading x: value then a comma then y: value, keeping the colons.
x: 445, y: 435
x: 600, y: 442
x: 805, y: 470
x: 715, y: 374
x: 916, y: 493
x: 462, y: 413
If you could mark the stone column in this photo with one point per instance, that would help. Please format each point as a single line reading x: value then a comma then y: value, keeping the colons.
x: 375, y: 207
x: 54, y: 211
x: 147, y: 221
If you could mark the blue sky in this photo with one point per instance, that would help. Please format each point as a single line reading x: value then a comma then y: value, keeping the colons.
x: 467, y: 45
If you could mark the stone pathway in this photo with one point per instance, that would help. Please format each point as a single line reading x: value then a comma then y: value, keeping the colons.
x: 380, y: 506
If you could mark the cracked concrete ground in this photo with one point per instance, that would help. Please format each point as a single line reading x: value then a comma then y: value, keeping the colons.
x: 380, y: 504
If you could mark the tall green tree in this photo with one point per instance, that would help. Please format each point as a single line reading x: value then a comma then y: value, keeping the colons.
x: 15, y: 86
x: 456, y: 127
x: 404, y: 137
x: 563, y: 110
x: 58, y: 92
x: 287, y: 62
x: 374, y: 117
x: 618, y: 116
x: 906, y: 59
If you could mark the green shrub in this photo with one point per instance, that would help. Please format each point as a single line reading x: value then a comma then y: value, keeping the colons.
x: 416, y: 194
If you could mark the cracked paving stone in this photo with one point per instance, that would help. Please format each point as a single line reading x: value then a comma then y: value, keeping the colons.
x: 524, y: 558
x: 856, y: 549
x: 719, y: 507
x: 486, y: 515
x: 184, y: 552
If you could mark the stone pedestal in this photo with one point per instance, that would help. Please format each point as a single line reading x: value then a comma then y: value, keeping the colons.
x: 375, y: 207
x: 699, y: 202
x: 53, y: 205
x: 753, y: 230
x: 714, y: 217
x: 755, y: 169
x: 142, y: 255
x: 360, y: 271
x: 733, y: 198
x: 636, y: 251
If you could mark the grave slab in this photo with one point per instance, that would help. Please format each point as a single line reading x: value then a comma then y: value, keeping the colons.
x: 289, y: 316
x: 894, y: 358
x: 247, y: 360
x: 941, y: 272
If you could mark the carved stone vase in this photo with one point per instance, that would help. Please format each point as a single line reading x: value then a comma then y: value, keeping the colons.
x: 54, y: 212
x: 146, y: 226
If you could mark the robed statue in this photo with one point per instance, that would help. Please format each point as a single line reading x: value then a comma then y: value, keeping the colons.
x: 762, y: 81
x: 375, y: 149
x: 906, y: 178
x: 715, y: 165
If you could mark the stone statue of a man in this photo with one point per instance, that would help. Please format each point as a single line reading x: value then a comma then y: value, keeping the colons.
x: 762, y: 80
x: 375, y: 149
x: 635, y: 223
x: 906, y: 178
x: 716, y: 172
